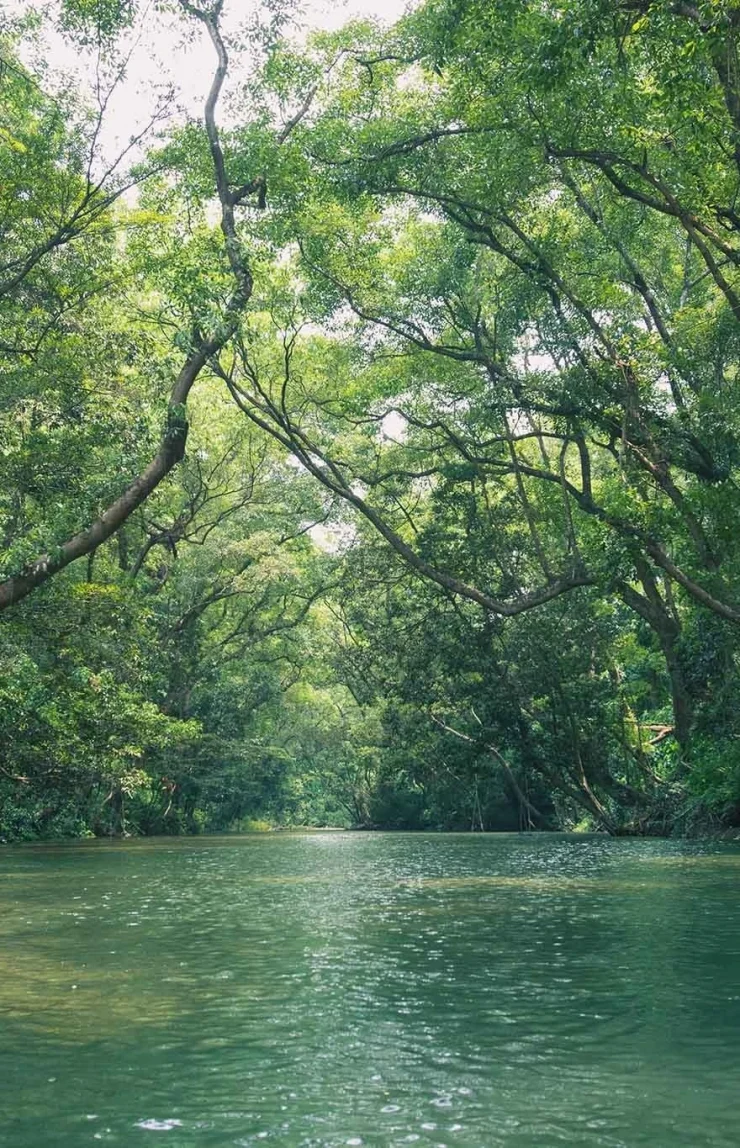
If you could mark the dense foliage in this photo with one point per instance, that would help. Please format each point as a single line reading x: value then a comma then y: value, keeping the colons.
x: 370, y: 449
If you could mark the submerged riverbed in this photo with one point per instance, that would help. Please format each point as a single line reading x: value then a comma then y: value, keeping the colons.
x: 370, y: 989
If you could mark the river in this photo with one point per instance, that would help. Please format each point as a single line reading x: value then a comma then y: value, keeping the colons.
x: 326, y: 989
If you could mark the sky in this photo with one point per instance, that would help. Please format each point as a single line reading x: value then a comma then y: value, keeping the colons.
x: 161, y: 56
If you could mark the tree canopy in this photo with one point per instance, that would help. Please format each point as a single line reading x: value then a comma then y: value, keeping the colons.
x: 370, y: 442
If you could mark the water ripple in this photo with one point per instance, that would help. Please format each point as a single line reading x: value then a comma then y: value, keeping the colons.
x: 370, y: 989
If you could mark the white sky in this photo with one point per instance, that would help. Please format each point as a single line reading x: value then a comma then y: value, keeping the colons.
x: 163, y: 57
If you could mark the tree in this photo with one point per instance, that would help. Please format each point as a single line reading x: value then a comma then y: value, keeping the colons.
x: 468, y: 557
x: 76, y: 204
x: 547, y: 319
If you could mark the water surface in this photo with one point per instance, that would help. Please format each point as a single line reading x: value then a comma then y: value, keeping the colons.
x: 335, y: 989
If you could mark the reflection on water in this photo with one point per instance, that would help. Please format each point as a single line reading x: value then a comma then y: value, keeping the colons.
x: 370, y: 989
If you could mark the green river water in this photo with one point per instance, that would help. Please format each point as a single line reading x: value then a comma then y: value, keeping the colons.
x: 370, y: 989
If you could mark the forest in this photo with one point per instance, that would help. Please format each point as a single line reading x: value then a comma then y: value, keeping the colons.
x: 370, y: 439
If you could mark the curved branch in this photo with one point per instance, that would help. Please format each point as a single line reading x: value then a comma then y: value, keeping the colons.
x: 266, y: 416
x: 172, y: 444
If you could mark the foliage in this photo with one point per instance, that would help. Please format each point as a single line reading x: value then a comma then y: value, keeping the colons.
x: 376, y: 463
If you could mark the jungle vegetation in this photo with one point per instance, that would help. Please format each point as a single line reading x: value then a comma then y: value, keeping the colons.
x: 370, y: 442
